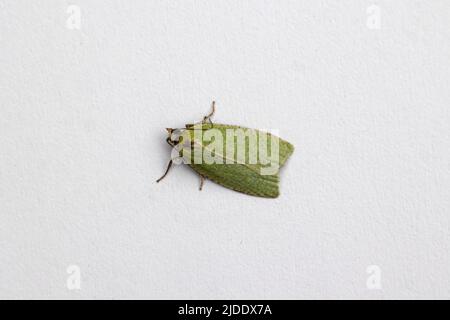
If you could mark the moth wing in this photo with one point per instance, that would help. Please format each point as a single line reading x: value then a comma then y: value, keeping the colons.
x: 285, y: 148
x: 243, y: 177
x: 240, y: 177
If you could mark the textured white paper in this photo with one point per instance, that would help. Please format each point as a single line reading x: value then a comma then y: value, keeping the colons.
x: 361, y: 88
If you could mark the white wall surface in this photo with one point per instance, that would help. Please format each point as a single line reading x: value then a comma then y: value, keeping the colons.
x: 361, y: 88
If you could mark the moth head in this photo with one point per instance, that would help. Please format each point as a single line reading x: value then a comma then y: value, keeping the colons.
x: 173, y: 139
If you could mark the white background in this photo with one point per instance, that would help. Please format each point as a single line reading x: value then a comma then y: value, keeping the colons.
x: 82, y: 118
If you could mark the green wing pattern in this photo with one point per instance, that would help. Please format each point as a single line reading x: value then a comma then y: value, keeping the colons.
x: 242, y: 177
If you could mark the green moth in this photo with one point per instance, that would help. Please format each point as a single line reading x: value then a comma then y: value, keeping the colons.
x: 242, y: 159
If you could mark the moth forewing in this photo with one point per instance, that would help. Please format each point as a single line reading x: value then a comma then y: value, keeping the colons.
x: 213, y: 146
x: 208, y: 144
x: 241, y: 145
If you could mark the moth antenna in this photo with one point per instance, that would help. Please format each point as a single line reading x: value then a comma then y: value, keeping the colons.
x: 165, y: 173
x: 201, y: 129
x: 190, y: 127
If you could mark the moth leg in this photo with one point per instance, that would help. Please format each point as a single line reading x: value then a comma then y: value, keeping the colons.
x: 165, y: 173
x: 202, y: 181
x: 208, y: 117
